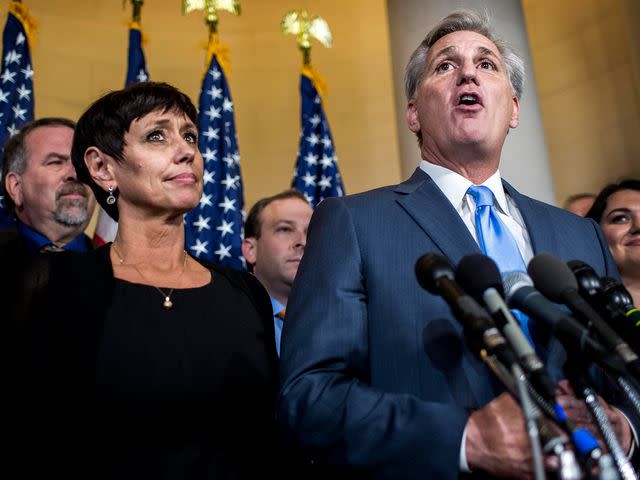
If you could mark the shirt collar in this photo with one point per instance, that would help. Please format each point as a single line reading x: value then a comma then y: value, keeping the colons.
x: 455, y: 186
x: 34, y: 240
x: 276, y: 306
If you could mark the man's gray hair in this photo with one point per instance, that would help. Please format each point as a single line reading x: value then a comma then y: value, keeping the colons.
x: 463, y: 20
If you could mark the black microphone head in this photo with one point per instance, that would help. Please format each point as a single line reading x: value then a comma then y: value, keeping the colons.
x: 431, y: 267
x: 476, y: 273
x: 588, y: 279
x: 551, y: 276
x: 616, y: 293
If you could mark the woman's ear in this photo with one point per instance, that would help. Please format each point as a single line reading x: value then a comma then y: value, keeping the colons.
x: 100, y: 167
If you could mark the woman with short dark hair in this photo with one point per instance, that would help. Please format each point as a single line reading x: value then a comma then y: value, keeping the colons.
x: 153, y: 364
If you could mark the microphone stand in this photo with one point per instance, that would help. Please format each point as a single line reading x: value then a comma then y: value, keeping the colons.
x: 630, y: 393
x: 589, y: 396
x: 530, y: 412
x: 518, y: 385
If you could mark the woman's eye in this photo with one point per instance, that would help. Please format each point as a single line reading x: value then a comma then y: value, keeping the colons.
x: 191, y: 137
x: 619, y: 219
x: 156, y: 136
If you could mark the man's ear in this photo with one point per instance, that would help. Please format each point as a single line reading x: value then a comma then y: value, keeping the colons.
x: 249, y: 246
x: 515, y: 115
x: 13, y: 185
x: 412, y: 117
x: 99, y: 165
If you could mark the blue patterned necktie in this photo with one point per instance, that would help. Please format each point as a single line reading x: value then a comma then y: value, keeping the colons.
x: 496, y: 241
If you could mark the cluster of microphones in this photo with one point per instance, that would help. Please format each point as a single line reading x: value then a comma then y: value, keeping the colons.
x: 591, y: 316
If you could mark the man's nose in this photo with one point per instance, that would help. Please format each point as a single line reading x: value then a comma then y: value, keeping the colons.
x: 467, y: 73
x: 301, y: 240
x: 70, y: 174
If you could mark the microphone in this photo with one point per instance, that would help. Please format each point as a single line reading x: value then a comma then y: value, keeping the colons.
x: 520, y: 294
x: 555, y: 280
x: 480, y: 277
x: 617, y: 293
x: 435, y: 274
x: 612, y: 303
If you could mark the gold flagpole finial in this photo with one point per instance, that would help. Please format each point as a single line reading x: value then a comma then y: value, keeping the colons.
x: 297, y: 22
x: 211, y: 8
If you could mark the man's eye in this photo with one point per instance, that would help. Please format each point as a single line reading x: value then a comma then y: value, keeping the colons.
x: 487, y: 65
x: 156, y: 136
x: 444, y: 66
x: 283, y: 229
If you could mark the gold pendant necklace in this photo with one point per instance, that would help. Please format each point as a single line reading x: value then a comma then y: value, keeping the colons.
x: 167, y: 304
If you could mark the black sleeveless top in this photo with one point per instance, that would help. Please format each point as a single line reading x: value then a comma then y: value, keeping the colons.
x: 119, y: 387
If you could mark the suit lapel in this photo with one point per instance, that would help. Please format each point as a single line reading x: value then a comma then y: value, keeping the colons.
x: 425, y: 203
x: 537, y: 221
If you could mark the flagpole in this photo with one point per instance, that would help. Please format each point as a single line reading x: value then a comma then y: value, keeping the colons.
x: 316, y: 174
x: 106, y: 227
x: 214, y: 229
x: 17, y: 105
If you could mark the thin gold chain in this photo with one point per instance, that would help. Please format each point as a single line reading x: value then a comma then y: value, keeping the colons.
x: 167, y: 304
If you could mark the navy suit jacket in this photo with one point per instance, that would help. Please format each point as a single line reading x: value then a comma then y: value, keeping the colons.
x: 375, y: 371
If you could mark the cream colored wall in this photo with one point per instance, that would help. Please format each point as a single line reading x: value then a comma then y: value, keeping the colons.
x: 81, y: 51
x: 586, y: 65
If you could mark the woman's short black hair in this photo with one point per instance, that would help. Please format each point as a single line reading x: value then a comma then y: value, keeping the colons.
x: 600, y: 203
x: 104, y: 124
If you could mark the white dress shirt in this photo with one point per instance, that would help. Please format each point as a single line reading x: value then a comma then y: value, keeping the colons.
x: 455, y: 186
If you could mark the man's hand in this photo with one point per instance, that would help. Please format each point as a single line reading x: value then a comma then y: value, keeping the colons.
x: 580, y: 416
x: 497, y: 441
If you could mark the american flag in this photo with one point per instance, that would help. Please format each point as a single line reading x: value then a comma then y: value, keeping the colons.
x: 214, y: 229
x: 316, y: 174
x: 16, y: 81
x: 106, y: 227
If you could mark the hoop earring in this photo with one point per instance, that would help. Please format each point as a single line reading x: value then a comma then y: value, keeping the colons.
x: 111, y: 199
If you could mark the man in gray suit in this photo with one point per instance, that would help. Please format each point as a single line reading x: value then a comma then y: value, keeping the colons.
x: 377, y: 377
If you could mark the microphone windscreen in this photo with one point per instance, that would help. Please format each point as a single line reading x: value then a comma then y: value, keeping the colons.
x: 429, y: 268
x: 618, y: 295
x: 513, y: 281
x: 587, y: 278
x: 476, y: 273
x: 551, y: 276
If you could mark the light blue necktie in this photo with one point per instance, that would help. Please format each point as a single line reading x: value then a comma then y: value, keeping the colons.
x: 496, y: 241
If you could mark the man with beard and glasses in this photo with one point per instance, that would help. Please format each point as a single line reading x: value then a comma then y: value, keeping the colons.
x: 51, y: 207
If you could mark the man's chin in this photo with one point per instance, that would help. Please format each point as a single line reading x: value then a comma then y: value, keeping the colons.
x: 72, y: 216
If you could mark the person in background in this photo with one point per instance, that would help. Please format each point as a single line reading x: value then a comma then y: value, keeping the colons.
x: 580, y: 203
x: 617, y: 210
x: 377, y: 379
x: 155, y: 365
x: 52, y: 208
x: 275, y: 234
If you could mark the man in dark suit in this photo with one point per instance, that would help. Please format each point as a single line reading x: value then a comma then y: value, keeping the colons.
x: 40, y: 188
x: 275, y: 234
x: 376, y: 375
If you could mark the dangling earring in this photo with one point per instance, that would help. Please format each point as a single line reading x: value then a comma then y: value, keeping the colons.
x: 111, y: 199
